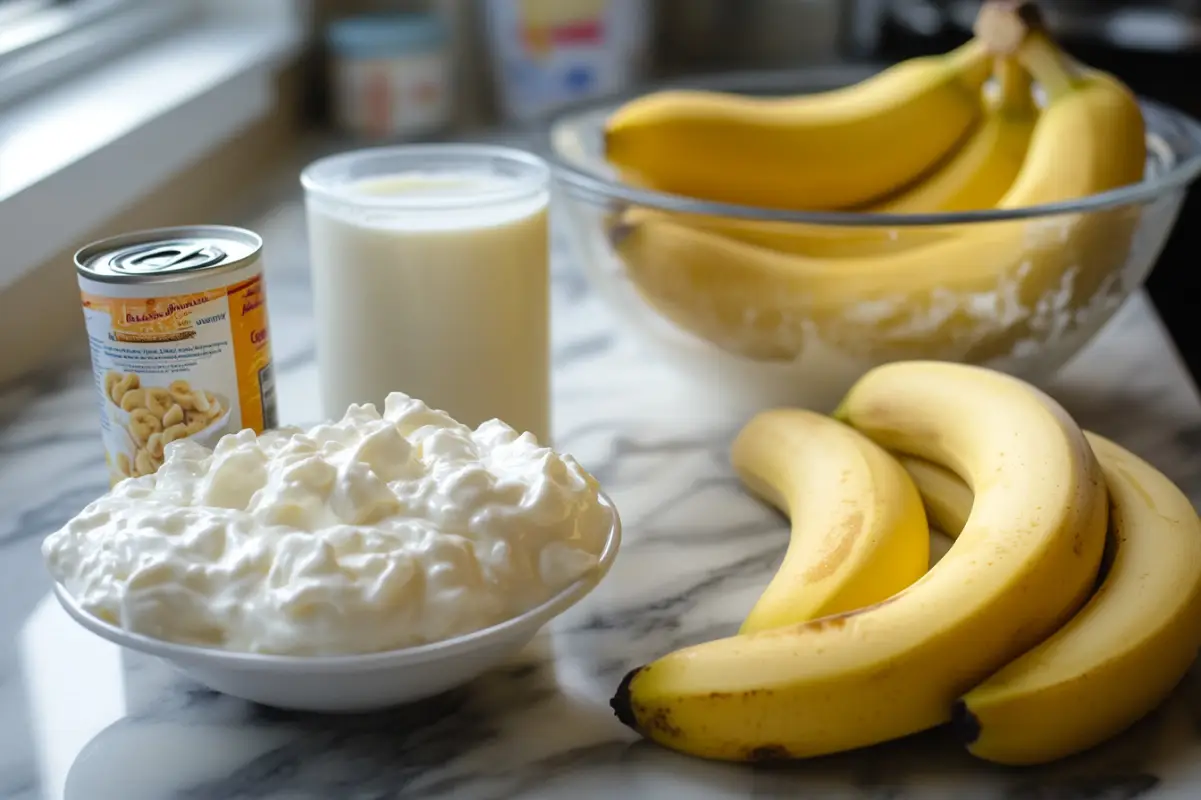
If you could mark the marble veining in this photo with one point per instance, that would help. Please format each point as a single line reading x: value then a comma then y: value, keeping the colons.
x: 80, y: 719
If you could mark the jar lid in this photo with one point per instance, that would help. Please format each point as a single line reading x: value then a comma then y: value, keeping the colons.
x: 385, y: 34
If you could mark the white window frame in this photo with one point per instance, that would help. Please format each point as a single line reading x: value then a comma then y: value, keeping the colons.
x: 87, y: 128
x: 47, y: 45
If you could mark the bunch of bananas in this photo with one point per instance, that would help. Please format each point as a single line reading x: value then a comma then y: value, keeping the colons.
x: 928, y: 135
x: 1067, y: 608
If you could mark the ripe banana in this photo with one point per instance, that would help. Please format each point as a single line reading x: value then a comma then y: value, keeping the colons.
x: 988, y: 292
x: 1125, y: 650
x: 978, y: 175
x: 1122, y: 653
x: 830, y: 150
x: 974, y: 176
x: 1022, y: 565
x: 946, y: 498
x: 859, y: 534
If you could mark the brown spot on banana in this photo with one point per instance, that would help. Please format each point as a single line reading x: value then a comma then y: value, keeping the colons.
x: 844, y: 542
x: 768, y: 753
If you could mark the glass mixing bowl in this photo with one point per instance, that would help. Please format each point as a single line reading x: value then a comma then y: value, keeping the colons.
x: 1018, y: 290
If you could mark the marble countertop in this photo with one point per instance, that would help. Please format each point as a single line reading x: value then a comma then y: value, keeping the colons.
x: 80, y: 719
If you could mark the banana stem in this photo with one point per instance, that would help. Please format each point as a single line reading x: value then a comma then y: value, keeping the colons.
x: 972, y: 60
x: 1003, y: 24
x: 1016, y: 27
x: 1015, y: 87
x: 1050, y: 67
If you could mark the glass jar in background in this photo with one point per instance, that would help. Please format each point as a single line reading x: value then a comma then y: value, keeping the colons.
x: 391, y: 75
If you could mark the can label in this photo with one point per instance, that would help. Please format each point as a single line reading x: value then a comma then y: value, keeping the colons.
x: 189, y: 366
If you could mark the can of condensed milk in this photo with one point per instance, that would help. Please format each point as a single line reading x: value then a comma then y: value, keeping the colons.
x: 177, y: 322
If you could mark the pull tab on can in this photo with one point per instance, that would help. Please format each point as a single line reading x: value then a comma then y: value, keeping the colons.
x: 177, y: 256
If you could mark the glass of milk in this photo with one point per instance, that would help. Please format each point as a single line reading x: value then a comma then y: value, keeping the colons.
x: 431, y: 277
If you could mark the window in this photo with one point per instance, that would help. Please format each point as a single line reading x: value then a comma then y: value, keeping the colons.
x: 44, y: 41
x: 11, y: 10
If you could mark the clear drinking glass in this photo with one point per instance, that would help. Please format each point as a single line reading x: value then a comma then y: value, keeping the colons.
x: 430, y: 269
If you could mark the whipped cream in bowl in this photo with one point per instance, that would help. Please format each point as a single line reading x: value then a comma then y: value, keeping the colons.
x: 351, y: 565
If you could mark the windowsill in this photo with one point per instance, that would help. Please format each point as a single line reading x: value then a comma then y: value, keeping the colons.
x: 75, y: 156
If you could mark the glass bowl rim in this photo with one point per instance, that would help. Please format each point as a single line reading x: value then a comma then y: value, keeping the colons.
x: 587, y: 185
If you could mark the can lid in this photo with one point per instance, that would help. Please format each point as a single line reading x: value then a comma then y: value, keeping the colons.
x: 182, y: 254
x: 166, y: 253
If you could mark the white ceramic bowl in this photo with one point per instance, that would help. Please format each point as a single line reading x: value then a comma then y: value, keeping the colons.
x: 356, y: 683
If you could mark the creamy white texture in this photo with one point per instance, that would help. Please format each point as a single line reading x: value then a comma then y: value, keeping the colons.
x: 386, y: 273
x: 368, y: 534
